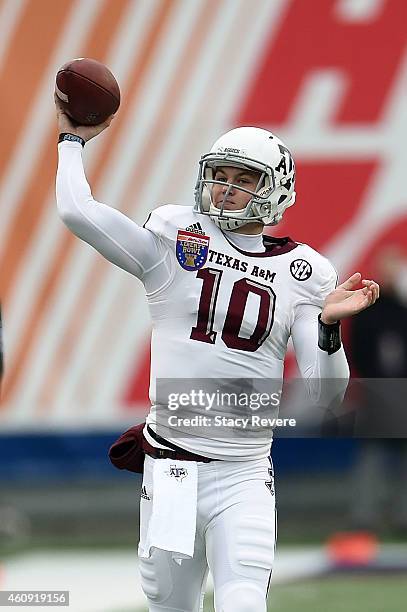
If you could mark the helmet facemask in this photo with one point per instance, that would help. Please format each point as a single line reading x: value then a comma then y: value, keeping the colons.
x: 229, y: 219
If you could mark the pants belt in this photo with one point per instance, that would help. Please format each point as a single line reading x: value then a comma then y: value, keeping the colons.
x: 175, y: 452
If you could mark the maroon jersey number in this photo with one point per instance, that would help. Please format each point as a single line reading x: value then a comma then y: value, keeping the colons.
x: 204, y: 332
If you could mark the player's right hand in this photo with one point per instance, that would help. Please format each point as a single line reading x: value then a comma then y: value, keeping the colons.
x: 86, y: 132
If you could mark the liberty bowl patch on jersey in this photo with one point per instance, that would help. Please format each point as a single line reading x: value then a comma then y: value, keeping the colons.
x: 192, y: 250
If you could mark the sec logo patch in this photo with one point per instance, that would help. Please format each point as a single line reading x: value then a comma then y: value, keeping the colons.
x: 300, y: 269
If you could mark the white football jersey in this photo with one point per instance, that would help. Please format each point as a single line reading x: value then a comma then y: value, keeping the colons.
x: 224, y: 313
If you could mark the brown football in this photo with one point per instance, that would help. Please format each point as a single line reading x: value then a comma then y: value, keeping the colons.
x: 88, y: 91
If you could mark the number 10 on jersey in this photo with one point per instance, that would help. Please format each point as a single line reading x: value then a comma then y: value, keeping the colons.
x: 204, y: 329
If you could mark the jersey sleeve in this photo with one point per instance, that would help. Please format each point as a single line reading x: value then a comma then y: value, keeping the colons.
x: 136, y: 249
x: 324, y: 280
x: 163, y: 222
x: 326, y: 376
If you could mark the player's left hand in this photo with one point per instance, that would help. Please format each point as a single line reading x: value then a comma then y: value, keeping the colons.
x: 346, y: 300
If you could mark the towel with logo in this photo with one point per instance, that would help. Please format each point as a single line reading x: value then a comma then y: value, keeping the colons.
x: 172, y: 522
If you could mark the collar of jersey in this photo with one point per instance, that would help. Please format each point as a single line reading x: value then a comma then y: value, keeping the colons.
x: 273, y: 246
x: 252, y: 243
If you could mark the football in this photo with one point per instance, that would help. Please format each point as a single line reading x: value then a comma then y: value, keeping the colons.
x: 87, y: 90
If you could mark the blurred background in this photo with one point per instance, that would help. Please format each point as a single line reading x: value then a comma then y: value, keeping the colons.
x: 329, y: 77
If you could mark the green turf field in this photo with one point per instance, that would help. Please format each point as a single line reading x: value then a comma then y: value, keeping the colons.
x: 339, y: 594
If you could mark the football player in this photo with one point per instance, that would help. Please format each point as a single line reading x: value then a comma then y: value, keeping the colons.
x: 224, y: 300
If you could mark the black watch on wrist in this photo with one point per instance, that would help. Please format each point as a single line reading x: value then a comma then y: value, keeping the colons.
x: 71, y: 138
x: 329, y: 336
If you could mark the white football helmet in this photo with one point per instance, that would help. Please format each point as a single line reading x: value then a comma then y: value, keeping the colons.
x: 254, y: 149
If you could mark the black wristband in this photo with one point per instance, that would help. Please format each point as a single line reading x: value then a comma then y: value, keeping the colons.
x: 71, y: 138
x: 329, y: 336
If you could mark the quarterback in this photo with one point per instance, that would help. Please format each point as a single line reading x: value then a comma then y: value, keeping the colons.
x: 224, y: 300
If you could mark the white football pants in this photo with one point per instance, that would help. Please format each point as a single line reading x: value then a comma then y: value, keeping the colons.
x: 235, y: 538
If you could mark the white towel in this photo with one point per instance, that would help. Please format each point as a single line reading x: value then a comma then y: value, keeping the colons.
x: 172, y: 523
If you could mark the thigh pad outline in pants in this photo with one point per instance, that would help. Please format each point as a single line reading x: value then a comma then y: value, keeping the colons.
x: 241, y: 546
x: 169, y: 586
